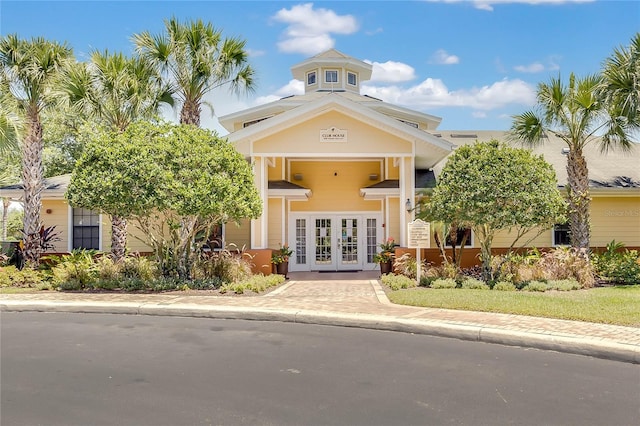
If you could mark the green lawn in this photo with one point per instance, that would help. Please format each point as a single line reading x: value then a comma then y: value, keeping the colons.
x: 609, y: 305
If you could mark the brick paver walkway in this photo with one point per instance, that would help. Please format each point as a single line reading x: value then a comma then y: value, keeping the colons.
x: 353, y: 297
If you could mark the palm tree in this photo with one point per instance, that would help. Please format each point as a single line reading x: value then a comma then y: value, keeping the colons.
x: 10, y: 128
x: 28, y: 68
x: 575, y: 113
x: 116, y: 90
x: 196, y: 59
x: 621, y: 86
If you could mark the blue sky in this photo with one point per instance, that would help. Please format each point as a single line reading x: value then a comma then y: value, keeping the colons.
x: 474, y: 63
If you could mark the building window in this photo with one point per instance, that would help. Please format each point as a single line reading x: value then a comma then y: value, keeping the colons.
x: 331, y: 76
x: 409, y: 123
x: 252, y: 122
x: 561, y: 234
x: 86, y: 229
x: 352, y: 79
x: 462, y: 232
x: 301, y: 241
x: 311, y: 78
x: 372, y: 239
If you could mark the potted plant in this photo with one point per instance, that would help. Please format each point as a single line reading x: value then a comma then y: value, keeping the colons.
x: 386, y: 255
x: 280, y: 258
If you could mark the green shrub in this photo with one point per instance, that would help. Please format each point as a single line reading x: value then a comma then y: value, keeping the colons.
x: 561, y: 263
x: 134, y: 284
x: 397, y: 282
x: 165, y: 284
x: 426, y: 281
x: 444, y: 283
x: 105, y: 284
x: 139, y: 268
x: 563, y: 285
x: 536, y: 286
x: 504, y: 286
x: 76, y: 271
x: 618, y: 264
x: 474, y: 284
x: 205, y: 284
x: 10, y: 276
x: 107, y: 269
x: 226, y: 265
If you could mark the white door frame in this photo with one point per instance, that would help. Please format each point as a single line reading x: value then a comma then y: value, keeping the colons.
x: 308, y: 234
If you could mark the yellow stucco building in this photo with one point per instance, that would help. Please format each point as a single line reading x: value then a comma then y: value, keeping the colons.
x: 340, y: 172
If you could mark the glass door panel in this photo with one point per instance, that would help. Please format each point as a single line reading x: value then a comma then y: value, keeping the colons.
x: 348, y: 243
x: 323, y: 242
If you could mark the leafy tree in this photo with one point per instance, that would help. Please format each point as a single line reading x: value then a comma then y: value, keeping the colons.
x: 173, y: 182
x: 576, y: 113
x: 65, y: 132
x: 197, y: 59
x: 28, y: 69
x: 490, y: 187
x: 115, y: 90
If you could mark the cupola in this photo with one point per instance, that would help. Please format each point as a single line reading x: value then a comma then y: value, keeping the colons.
x: 332, y: 71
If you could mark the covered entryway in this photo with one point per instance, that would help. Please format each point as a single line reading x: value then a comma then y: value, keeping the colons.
x: 334, y: 241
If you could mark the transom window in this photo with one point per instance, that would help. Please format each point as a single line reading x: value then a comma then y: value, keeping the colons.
x: 311, y: 78
x: 352, y: 79
x: 86, y: 229
x: 331, y: 76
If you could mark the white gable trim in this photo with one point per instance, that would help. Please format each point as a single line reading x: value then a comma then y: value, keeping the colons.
x: 335, y: 102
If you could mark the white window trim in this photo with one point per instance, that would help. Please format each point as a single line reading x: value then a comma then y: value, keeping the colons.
x: 349, y: 73
x: 70, y: 230
x: 337, y: 76
x: 315, y: 75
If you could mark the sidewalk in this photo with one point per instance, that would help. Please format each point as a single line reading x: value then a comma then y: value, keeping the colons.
x: 353, y: 303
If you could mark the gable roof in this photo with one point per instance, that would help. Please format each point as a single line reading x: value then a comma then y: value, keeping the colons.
x: 614, y: 169
x: 54, y: 187
x: 271, y: 109
x: 429, y: 149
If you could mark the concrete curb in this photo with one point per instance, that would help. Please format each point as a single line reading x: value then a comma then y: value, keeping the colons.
x: 565, y: 344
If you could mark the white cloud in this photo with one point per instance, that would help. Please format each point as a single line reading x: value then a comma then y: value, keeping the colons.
x: 479, y: 114
x: 255, y: 53
x: 309, y: 29
x: 433, y: 93
x: 488, y: 4
x: 443, y: 58
x: 531, y: 68
x: 391, y: 72
x: 536, y: 67
x: 373, y: 32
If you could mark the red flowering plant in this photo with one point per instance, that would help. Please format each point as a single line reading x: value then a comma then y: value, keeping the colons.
x: 388, y: 249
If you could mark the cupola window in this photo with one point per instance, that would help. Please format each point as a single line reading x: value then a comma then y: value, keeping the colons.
x: 352, y: 79
x: 331, y: 76
x: 311, y: 78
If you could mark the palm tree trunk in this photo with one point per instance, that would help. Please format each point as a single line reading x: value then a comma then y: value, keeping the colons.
x: 190, y: 113
x: 5, y: 217
x: 579, y: 200
x: 118, y: 237
x: 32, y: 179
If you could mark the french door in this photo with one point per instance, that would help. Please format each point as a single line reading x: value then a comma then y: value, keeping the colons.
x: 334, y: 242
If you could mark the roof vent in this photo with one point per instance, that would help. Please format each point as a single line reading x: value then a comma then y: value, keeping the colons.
x: 565, y: 150
x: 463, y: 135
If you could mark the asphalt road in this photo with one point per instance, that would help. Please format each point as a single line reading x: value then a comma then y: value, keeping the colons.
x: 89, y: 369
